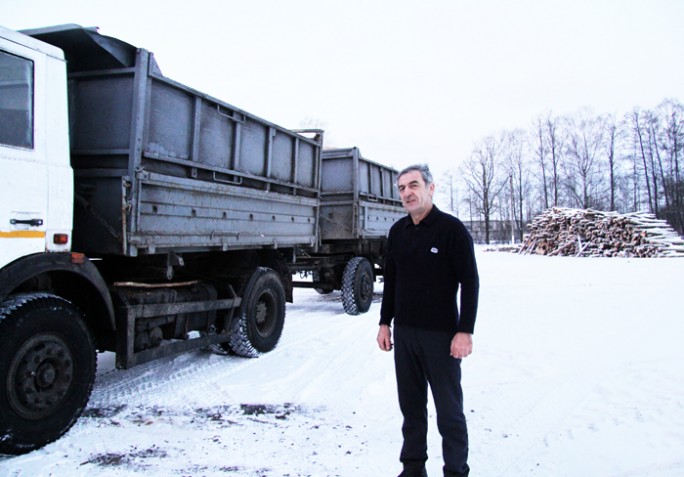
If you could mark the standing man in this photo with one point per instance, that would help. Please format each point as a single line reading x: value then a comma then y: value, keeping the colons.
x: 430, y: 253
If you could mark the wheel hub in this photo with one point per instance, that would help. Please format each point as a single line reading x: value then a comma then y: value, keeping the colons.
x: 46, y: 375
x: 265, y: 315
x: 40, y: 376
x: 366, y: 291
x: 261, y: 312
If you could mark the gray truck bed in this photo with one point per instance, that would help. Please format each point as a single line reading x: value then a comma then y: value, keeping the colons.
x: 162, y: 167
x: 358, y: 196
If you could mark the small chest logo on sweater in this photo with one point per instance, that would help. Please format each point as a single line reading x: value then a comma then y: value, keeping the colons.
x: 434, y: 250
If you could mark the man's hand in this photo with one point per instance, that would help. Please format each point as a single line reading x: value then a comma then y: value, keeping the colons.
x: 461, y: 345
x: 385, y: 338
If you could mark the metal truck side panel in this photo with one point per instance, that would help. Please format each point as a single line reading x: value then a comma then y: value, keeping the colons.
x: 162, y: 167
x: 358, y: 196
x: 174, y: 212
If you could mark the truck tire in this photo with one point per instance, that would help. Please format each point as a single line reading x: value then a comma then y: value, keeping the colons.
x: 357, y: 286
x: 47, y: 370
x: 262, y: 315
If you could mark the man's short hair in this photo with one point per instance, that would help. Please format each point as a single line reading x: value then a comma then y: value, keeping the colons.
x: 422, y: 168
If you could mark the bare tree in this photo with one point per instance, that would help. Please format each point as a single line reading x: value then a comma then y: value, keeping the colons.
x: 541, y: 154
x: 640, y: 135
x: 653, y: 159
x: 518, y: 176
x: 555, y: 146
x: 582, y: 160
x: 479, y: 172
x: 671, y: 145
x: 450, y: 188
x: 612, y: 132
x: 584, y: 133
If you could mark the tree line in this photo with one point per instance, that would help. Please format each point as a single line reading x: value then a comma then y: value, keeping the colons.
x: 583, y: 160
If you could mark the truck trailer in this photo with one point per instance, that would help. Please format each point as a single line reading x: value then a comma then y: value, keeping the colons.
x: 359, y: 203
x: 143, y: 217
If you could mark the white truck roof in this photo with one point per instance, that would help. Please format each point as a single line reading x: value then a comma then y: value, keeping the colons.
x: 37, y: 45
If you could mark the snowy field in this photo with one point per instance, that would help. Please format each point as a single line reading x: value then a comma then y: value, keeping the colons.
x: 578, y: 370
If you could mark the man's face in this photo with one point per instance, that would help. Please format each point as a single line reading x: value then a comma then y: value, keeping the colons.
x: 416, y: 197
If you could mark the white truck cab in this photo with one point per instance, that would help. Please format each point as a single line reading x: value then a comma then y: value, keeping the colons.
x: 36, y: 180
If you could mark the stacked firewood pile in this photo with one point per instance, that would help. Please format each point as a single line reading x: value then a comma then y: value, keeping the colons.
x: 591, y: 233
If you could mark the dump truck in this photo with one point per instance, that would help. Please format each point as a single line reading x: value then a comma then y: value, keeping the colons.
x: 143, y: 217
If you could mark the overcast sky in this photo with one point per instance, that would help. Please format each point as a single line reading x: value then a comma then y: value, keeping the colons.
x: 405, y: 81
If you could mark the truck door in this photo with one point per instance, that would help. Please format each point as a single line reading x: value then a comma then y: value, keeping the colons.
x: 23, y: 168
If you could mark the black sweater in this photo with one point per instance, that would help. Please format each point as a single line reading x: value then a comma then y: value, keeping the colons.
x: 424, y: 266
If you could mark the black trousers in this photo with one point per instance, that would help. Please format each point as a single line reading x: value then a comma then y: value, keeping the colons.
x: 421, y: 357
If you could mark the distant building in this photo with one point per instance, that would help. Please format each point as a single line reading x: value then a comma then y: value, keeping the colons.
x: 499, y: 231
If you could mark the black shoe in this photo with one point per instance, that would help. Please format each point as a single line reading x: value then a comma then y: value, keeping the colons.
x: 414, y: 473
x: 460, y: 474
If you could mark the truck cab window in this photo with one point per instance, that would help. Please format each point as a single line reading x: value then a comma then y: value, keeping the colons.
x: 16, y: 101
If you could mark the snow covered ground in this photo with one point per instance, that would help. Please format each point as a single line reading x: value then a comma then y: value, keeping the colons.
x: 577, y: 371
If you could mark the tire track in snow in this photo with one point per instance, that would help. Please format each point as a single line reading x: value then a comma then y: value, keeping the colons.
x: 304, y: 354
x: 199, y: 372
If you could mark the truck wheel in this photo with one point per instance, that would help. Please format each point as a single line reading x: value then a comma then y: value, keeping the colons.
x: 262, y: 315
x: 47, y: 370
x: 357, y: 286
